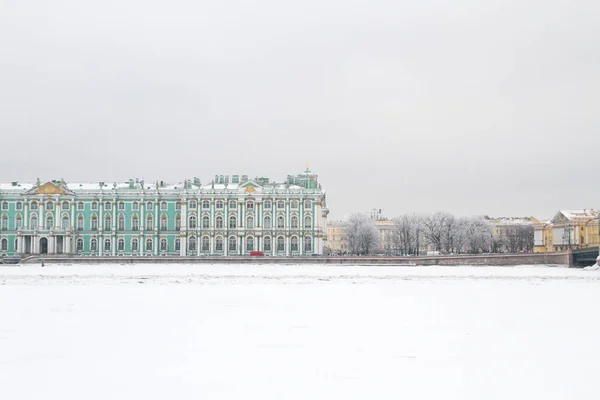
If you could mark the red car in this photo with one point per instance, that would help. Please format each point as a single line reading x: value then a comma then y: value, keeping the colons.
x: 256, y: 253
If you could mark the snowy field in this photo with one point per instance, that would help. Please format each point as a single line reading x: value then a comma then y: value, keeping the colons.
x: 298, y: 332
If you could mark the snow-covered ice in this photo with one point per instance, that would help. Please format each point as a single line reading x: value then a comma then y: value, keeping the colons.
x: 298, y: 332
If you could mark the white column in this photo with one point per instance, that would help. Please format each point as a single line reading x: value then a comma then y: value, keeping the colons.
x: 67, y: 243
x: 113, y: 246
x: 301, y: 244
x: 287, y: 245
x: 51, y: 244
x: 183, y: 246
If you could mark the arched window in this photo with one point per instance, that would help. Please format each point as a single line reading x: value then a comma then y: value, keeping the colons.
x: 178, y: 222
x: 49, y: 222
x: 149, y: 206
x: 250, y: 223
x: 177, y: 244
x: 219, y: 243
x: 232, y: 204
x: 250, y: 205
x: 4, y: 246
x: 107, y: 205
x: 267, y: 204
x: 232, y: 222
x: 65, y: 222
x: 267, y: 243
x: 193, y: 204
x: 219, y: 222
x: 18, y: 221
x: 192, y: 243
x: 34, y: 205
x: 4, y: 223
x: 135, y: 206
x: 205, y: 204
x: 294, y: 222
x: 121, y: 222
x: 149, y: 222
x: 163, y: 223
x: 294, y: 204
x: 232, y: 243
x: 192, y: 222
x: 307, y: 204
x: 307, y: 244
x: 205, y: 222
x: 163, y: 244
x: 280, y: 205
x: 65, y: 205
x: 34, y: 222
x: 120, y: 244
x: 205, y: 244
x: 94, y: 205
x: 80, y: 206
x: 79, y: 244
x: 107, y: 244
x: 80, y: 222
x: 135, y: 223
x: 307, y: 222
x: 294, y: 243
x: 280, y: 244
x: 164, y: 206
x: 267, y: 222
x: 107, y: 222
x: 149, y: 244
x: 121, y: 206
x: 49, y: 205
x: 219, y: 204
x: 19, y: 205
x: 94, y: 223
x: 280, y: 222
x: 134, y: 244
x: 177, y: 205
x: 249, y: 243
x: 94, y: 244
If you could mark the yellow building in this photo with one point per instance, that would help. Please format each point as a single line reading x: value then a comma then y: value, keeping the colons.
x: 336, y: 237
x: 569, y: 229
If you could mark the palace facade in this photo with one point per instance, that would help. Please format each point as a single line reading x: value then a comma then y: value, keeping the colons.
x: 233, y: 215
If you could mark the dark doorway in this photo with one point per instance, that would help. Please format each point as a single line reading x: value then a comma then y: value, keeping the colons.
x: 43, y: 246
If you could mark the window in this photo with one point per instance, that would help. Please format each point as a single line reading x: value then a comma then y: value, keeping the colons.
x: 94, y: 244
x: 307, y: 203
x: 177, y: 205
x: 307, y: 244
x: 121, y: 222
x: 149, y: 244
x: 206, y: 204
x: 192, y: 222
x: 280, y: 244
x: 250, y: 205
x: 307, y: 222
x: 107, y: 244
x: 232, y: 222
x: 65, y: 205
x: 178, y: 222
x: 135, y: 223
x: 80, y: 244
x: 294, y: 204
x: 107, y: 205
x: 19, y: 205
x: 4, y: 223
x: 34, y: 222
x: 280, y: 205
x: 192, y: 244
x: 219, y: 204
x: 193, y: 204
x: 219, y: 222
x: 121, y: 205
x: 65, y: 222
x: 94, y: 223
x: 164, y: 206
x: 149, y: 222
x: 163, y: 223
x: 49, y: 205
x: 294, y: 243
x: 18, y: 222
x: 177, y: 244
x: 49, y: 222
x: 294, y: 222
x: 4, y: 245
x: 205, y: 244
x: 80, y: 205
x: 163, y: 244
x: 250, y: 223
x: 232, y: 243
x: 80, y: 222
x: 34, y: 205
x: 249, y: 243
x: 205, y: 222
x: 149, y: 206
x: 267, y: 243
x: 134, y: 244
x: 280, y: 222
x: 120, y: 244
x: 94, y: 205
x: 107, y: 223
x: 267, y: 222
x: 219, y: 243
x: 267, y: 204
x: 135, y: 206
x: 5, y: 205
x: 232, y: 204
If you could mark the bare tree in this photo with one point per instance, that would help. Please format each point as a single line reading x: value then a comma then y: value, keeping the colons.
x: 361, y: 233
x: 434, y: 229
x: 478, y: 234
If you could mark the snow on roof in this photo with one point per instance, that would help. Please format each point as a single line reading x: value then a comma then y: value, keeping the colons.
x: 586, y: 213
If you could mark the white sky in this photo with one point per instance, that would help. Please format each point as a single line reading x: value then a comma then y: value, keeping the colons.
x: 409, y: 106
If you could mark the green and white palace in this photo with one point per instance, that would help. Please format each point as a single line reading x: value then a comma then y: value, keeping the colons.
x: 230, y: 216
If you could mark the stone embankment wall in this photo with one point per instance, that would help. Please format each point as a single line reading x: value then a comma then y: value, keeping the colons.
x: 563, y: 258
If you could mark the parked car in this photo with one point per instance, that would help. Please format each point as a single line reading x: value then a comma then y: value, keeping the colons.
x: 256, y: 253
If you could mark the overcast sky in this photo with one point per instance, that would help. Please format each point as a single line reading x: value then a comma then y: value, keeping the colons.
x: 466, y: 106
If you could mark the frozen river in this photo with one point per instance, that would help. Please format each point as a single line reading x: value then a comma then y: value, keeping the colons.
x: 298, y: 332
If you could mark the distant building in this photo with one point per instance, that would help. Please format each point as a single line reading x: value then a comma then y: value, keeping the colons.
x: 336, y: 235
x: 511, y: 234
x: 232, y: 215
x: 568, y: 229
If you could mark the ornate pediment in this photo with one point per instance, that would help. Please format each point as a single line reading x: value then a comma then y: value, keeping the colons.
x: 250, y: 186
x: 49, y: 188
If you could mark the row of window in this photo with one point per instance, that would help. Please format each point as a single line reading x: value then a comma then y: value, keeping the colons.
x: 204, y: 243
x: 192, y: 222
x: 163, y: 205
